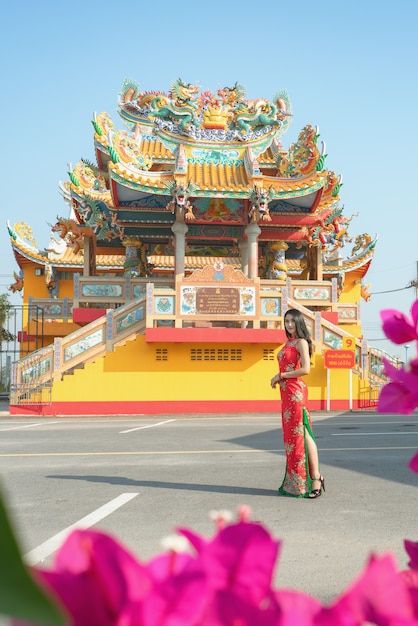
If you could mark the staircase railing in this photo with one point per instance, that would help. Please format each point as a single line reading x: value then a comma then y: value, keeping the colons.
x: 32, y: 376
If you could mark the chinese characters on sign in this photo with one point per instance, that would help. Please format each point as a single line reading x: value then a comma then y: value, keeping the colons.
x: 217, y: 300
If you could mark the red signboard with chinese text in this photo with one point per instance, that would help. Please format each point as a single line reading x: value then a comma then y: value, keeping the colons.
x: 339, y: 359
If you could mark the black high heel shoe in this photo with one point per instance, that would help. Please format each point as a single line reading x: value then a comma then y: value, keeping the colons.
x: 315, y: 493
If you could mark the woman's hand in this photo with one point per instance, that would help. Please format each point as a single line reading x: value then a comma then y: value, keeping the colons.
x: 275, y: 380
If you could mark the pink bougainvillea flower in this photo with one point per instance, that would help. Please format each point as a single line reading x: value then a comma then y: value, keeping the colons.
x: 379, y: 596
x: 398, y: 327
x: 230, y: 609
x: 180, y: 600
x: 298, y: 608
x: 96, y: 579
x: 413, y: 463
x: 410, y: 576
x: 410, y: 579
x: 411, y: 548
x: 401, y: 394
x: 241, y: 558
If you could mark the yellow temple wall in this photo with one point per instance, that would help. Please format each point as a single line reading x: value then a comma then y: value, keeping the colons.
x: 352, y: 288
x: 35, y: 286
x: 132, y: 379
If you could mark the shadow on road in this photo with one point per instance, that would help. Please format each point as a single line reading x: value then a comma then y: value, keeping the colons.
x: 160, y: 484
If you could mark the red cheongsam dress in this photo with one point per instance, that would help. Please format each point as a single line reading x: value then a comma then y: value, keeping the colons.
x: 296, y: 423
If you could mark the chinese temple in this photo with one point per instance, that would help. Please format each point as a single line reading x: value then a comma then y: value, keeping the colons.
x: 185, y: 241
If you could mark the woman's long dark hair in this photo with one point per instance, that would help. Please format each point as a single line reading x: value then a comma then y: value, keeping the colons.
x: 301, y: 329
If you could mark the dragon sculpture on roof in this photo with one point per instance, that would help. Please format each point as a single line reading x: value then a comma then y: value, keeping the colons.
x: 227, y: 110
x: 180, y: 204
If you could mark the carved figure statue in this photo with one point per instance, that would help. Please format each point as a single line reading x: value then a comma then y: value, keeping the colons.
x: 86, y: 175
x: 249, y: 116
x: 51, y: 280
x: 230, y: 95
x: 360, y: 243
x: 18, y: 284
x: 180, y: 204
x: 277, y: 269
x: 127, y: 150
x: 332, y: 230
x: 260, y: 199
x: 97, y: 216
x: 303, y: 157
x: 333, y: 186
x: 364, y: 292
x: 183, y: 94
x: 181, y: 108
x: 72, y: 232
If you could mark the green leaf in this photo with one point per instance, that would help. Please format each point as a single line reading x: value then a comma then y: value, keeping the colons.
x: 20, y: 596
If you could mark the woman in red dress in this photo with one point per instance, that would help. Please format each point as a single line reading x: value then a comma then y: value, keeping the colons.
x: 302, y: 477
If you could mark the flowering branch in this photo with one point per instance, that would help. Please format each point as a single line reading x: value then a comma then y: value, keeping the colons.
x: 222, y: 581
x: 400, y: 395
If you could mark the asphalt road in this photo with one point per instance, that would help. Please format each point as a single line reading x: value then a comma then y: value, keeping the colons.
x: 140, y: 477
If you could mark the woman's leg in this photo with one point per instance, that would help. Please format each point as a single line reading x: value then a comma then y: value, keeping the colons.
x: 313, y: 459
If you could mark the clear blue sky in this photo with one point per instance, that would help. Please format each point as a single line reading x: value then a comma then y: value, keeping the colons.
x: 350, y: 67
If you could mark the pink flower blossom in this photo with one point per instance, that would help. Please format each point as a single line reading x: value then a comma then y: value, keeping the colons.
x: 231, y: 609
x: 298, y: 609
x: 398, y: 327
x: 228, y: 582
x: 240, y: 558
x: 379, y: 596
x: 97, y: 580
x: 401, y: 394
x: 410, y: 576
x: 179, y: 600
x: 411, y: 548
x: 410, y: 580
x: 413, y: 463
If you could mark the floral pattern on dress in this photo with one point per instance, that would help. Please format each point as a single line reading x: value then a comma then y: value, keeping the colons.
x: 294, y: 395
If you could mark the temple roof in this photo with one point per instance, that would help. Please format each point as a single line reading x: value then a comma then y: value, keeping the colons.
x: 214, y: 161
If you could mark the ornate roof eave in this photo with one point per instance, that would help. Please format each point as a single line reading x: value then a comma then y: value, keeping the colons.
x: 149, y: 145
x: 78, y: 193
x: 347, y: 268
x: 69, y: 260
x: 22, y: 251
x: 146, y: 181
x: 138, y: 180
x: 295, y: 188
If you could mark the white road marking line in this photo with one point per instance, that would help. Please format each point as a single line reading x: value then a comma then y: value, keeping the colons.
x: 51, y: 545
x: 131, y: 430
x: 362, y: 434
x: 186, y: 452
x: 2, y: 430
